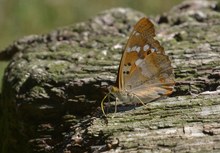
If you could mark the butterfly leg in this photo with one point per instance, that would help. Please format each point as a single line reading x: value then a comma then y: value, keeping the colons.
x: 110, y: 96
x: 116, y: 100
x: 140, y: 100
x: 102, y: 104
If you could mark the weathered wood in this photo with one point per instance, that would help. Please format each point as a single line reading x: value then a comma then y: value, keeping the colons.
x: 54, y: 78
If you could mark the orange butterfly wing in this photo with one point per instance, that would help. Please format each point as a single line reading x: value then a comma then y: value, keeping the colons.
x: 145, y: 70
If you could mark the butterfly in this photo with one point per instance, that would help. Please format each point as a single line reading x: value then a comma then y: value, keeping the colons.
x: 145, y: 72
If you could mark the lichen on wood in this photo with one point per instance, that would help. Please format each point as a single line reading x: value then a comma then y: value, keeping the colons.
x: 55, y: 80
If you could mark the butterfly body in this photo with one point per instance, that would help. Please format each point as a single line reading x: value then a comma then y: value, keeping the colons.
x: 145, y: 72
x: 122, y: 95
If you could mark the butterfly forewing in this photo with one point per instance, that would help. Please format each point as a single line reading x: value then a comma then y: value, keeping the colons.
x: 144, y: 69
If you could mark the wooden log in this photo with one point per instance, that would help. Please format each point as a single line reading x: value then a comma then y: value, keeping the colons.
x: 55, y: 82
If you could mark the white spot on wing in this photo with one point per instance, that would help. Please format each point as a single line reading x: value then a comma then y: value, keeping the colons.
x: 137, y: 34
x: 146, y: 47
x: 128, y: 49
x: 138, y: 61
x: 133, y: 48
x: 138, y: 48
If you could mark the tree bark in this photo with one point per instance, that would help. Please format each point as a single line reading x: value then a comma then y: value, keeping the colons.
x: 54, y: 84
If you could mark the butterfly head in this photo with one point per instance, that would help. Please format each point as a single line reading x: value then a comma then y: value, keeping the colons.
x: 113, y: 89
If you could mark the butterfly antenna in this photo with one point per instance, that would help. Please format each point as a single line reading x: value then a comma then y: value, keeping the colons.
x: 102, y: 104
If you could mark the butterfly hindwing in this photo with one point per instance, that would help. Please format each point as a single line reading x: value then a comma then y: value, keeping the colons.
x: 157, y: 78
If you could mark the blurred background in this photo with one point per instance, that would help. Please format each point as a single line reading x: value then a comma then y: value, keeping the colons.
x: 19, y: 18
